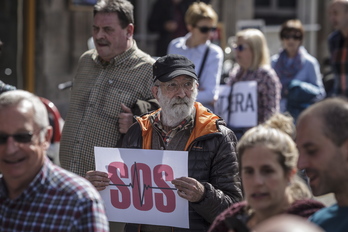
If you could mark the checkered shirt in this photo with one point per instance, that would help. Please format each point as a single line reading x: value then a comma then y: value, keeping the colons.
x: 167, y: 136
x: 338, y: 47
x: 56, y: 200
x: 97, y: 93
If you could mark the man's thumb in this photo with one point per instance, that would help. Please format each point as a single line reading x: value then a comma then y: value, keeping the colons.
x: 125, y: 108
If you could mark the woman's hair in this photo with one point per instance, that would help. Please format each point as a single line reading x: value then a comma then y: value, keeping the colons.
x: 277, y: 135
x: 292, y: 26
x: 273, y: 134
x: 258, y: 46
x: 198, y: 11
x: 123, y: 9
x: 298, y: 189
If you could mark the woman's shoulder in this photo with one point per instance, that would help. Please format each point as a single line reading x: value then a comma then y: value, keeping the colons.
x: 177, y: 43
x: 216, y: 48
x: 310, y: 60
x: 266, y: 70
x: 234, y: 209
x: 305, y: 208
x: 274, y: 58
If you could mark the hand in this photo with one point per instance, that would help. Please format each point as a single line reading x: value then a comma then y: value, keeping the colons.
x: 189, y: 188
x: 170, y: 26
x: 125, y: 120
x: 98, y: 179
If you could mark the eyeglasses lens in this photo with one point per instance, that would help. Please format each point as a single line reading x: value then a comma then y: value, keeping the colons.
x: 174, y: 87
x: 239, y: 47
x: 206, y: 29
x: 289, y: 36
x: 20, y: 138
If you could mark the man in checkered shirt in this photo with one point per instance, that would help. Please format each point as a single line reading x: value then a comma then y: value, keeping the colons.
x: 35, y: 194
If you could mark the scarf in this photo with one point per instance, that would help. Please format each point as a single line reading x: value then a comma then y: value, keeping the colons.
x: 287, y: 69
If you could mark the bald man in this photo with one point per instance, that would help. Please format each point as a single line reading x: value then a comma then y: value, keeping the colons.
x: 287, y: 223
x: 322, y: 140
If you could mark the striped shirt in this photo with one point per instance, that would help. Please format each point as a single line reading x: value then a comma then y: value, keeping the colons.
x: 56, y: 200
x: 97, y: 93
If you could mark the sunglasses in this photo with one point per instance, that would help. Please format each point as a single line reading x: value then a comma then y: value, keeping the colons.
x: 20, y: 137
x: 240, y: 47
x: 205, y: 29
x: 295, y: 37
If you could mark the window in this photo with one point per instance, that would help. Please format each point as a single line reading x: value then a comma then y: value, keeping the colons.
x: 275, y: 12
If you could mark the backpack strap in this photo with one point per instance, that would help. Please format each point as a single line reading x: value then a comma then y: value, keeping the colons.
x: 203, y: 61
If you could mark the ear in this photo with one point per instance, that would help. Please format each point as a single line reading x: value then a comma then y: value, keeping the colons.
x: 189, y: 27
x: 292, y: 174
x: 48, y: 137
x: 154, y: 91
x: 130, y: 30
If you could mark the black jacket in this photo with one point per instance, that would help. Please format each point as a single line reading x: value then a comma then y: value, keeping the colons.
x: 212, y: 160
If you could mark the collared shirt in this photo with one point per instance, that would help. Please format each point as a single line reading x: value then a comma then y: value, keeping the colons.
x: 332, y: 218
x: 167, y: 136
x: 56, y: 200
x: 268, y: 89
x: 211, y: 74
x: 97, y: 93
x: 338, y: 46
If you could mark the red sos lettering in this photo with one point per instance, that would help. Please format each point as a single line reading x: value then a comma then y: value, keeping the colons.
x: 142, y: 194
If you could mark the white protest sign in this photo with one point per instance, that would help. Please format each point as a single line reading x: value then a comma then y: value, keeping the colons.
x: 140, y: 189
x: 239, y: 107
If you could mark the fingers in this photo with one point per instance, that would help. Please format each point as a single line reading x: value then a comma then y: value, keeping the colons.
x: 189, y: 188
x: 125, y: 108
x: 98, y: 179
x: 125, y: 119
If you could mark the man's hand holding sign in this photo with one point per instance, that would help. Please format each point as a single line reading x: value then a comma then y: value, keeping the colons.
x: 181, y: 169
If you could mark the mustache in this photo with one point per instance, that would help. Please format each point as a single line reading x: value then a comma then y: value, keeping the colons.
x: 102, y: 41
x: 180, y: 101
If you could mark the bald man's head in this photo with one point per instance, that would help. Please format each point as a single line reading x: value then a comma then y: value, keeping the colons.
x: 287, y: 223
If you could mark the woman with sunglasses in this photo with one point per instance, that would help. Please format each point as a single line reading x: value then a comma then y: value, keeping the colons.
x: 201, y: 21
x: 255, y: 88
x: 297, y: 70
x: 267, y: 157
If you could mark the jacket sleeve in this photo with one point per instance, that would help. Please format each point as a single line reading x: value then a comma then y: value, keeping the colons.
x: 132, y: 139
x: 224, y: 186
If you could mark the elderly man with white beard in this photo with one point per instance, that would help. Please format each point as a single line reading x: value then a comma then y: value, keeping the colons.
x: 182, y: 124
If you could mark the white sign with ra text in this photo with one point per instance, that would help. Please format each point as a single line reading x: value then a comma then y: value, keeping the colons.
x: 140, y: 189
x: 238, y: 106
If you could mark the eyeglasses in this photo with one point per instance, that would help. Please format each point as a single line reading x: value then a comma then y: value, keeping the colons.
x: 292, y: 36
x: 240, y: 47
x: 174, y: 86
x: 20, y: 137
x: 205, y: 29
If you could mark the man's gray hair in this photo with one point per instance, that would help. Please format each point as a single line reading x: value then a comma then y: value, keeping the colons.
x: 123, y: 9
x: 15, y: 97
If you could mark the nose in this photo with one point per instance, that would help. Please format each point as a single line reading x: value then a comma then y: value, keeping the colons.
x: 258, y: 179
x: 98, y: 34
x: 181, y: 92
x: 302, y: 162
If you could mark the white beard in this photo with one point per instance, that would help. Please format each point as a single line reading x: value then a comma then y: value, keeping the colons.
x: 175, y: 110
